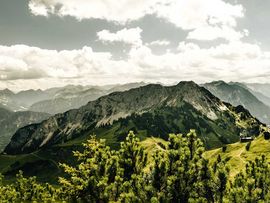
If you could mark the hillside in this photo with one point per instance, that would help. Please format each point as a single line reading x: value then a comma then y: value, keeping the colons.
x: 236, y: 155
x: 10, y: 122
x: 262, y: 88
x: 152, y: 110
x: 260, y: 93
x: 236, y: 94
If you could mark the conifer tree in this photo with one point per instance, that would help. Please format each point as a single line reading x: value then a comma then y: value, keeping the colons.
x: 132, y: 161
x: 220, y: 180
x: 253, y: 184
x: 181, y: 173
x: 90, y: 178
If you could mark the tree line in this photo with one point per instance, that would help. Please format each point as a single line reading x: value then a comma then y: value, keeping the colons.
x: 177, y: 172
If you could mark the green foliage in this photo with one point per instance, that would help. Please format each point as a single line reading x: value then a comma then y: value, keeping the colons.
x: 174, y: 172
x: 180, y: 173
x: 220, y: 180
x: 105, y: 174
x: 253, y: 184
x: 26, y: 190
x: 88, y: 179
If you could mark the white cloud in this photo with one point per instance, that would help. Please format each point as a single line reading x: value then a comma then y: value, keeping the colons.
x: 209, y: 33
x: 129, y: 36
x: 192, y: 14
x: 236, y: 61
x: 121, y: 11
x: 31, y: 67
x: 38, y: 8
x: 203, y: 16
x: 186, y: 14
x: 22, y: 61
x: 159, y: 43
x: 205, y: 19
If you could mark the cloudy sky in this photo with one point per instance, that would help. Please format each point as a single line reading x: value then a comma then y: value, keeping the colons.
x: 46, y: 43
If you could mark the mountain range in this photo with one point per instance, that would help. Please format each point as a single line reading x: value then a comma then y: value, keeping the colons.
x: 59, y: 99
x: 241, y: 94
x: 261, y: 91
x: 72, y: 97
x: 32, y: 106
x: 149, y: 110
x: 62, y: 99
x: 152, y: 110
x: 10, y: 122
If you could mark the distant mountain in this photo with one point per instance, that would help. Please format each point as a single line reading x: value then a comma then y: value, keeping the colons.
x: 124, y: 87
x: 151, y: 110
x: 72, y: 97
x: 238, y: 94
x: 262, y: 97
x: 29, y: 97
x: 263, y: 88
x: 22, y: 100
x: 66, y: 100
x: 7, y: 101
x: 261, y: 91
x: 10, y: 122
x: 58, y: 99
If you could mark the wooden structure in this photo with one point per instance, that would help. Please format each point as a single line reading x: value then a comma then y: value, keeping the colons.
x: 244, y: 137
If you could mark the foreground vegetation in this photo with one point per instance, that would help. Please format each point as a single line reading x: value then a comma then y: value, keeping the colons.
x: 173, y: 171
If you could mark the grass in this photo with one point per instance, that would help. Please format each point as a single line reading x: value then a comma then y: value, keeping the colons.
x: 151, y: 145
x: 29, y: 163
x: 237, y: 156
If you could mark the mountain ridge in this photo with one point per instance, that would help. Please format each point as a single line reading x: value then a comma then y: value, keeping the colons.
x: 183, y: 102
x: 58, y: 99
x: 238, y: 94
x: 11, y: 121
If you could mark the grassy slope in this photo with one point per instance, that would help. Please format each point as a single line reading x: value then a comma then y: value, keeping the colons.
x: 44, y: 163
x: 237, y: 156
x: 46, y: 168
x: 151, y: 145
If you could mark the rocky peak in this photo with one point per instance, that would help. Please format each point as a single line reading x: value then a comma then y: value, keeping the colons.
x: 6, y: 92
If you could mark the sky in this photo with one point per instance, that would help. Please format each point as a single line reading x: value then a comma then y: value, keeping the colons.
x: 48, y: 43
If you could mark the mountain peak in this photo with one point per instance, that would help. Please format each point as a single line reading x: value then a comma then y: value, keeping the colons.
x: 191, y: 83
x: 6, y: 91
x: 217, y: 83
x: 238, y: 94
